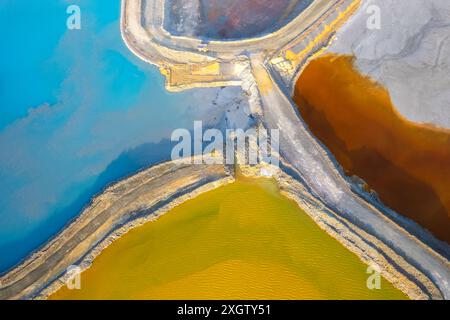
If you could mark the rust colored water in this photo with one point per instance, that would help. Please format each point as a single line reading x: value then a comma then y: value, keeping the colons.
x: 246, y: 18
x: 406, y: 163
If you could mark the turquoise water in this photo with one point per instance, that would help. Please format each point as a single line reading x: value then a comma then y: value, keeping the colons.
x: 78, y: 111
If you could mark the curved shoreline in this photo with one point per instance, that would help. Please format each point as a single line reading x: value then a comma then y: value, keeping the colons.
x: 137, y: 198
x: 324, y: 179
x: 367, y: 248
x: 405, y: 261
x: 349, y: 235
x: 142, y: 28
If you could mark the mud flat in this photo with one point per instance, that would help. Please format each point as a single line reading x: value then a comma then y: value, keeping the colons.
x: 409, y: 55
x: 119, y: 208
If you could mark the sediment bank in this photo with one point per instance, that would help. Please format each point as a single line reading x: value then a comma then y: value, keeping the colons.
x: 368, y: 248
x: 244, y: 240
x: 312, y: 165
x: 119, y: 208
x: 151, y: 193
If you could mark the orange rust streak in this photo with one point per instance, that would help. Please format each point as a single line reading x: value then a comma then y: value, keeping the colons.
x: 406, y: 163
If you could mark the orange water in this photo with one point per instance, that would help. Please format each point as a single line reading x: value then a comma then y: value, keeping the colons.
x: 407, y: 164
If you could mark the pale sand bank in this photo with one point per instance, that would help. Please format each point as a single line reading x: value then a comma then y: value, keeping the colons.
x: 128, y: 203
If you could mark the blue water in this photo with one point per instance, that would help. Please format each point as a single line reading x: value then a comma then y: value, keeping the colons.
x: 77, y: 112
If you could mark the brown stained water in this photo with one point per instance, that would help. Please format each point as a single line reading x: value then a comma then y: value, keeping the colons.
x: 232, y: 19
x: 246, y: 18
x: 406, y: 163
x: 241, y: 241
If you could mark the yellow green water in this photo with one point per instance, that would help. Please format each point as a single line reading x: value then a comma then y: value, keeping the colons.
x: 241, y: 241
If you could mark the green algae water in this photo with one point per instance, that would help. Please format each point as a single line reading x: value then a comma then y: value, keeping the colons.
x: 241, y: 241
